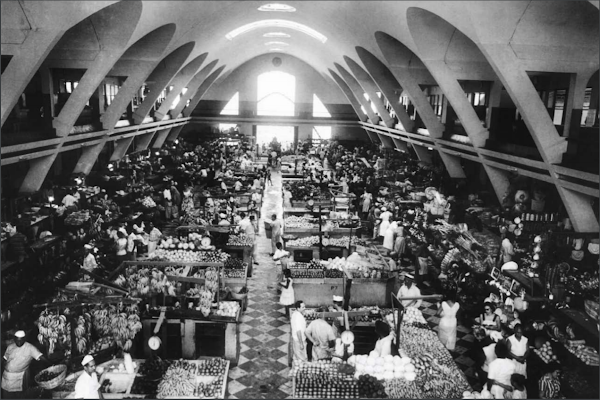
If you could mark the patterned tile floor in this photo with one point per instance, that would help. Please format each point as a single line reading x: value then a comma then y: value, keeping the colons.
x: 262, y: 370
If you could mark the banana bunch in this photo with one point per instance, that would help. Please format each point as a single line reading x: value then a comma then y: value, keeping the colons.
x: 125, y: 326
x: 206, y: 298
x: 82, y: 332
x: 53, y: 329
x: 177, y: 382
x: 101, y: 322
x: 120, y: 281
x: 212, y: 279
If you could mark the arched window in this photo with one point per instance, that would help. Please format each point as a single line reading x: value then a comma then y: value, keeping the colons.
x: 276, y: 94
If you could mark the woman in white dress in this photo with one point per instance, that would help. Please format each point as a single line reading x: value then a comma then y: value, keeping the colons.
x: 385, y: 221
x: 448, y: 323
x: 518, y: 345
x: 366, y: 203
x: 388, y: 238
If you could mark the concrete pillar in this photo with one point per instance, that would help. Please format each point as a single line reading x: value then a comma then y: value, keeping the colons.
x: 493, y: 104
x: 372, y: 136
x: 369, y: 87
x: 38, y: 169
x: 174, y: 134
x: 89, y: 82
x: 579, y: 208
x: 192, y: 86
x: 161, y: 137
x: 143, y: 141
x: 422, y: 153
x: 387, y: 141
x: 574, y: 107
x: 179, y: 83
x: 132, y: 84
x: 160, y: 78
x: 121, y: 147
x: 24, y: 65
x: 187, y: 111
x: 388, y: 85
x: 453, y: 165
x: 518, y: 84
x: 349, y: 95
x: 358, y: 92
x: 88, y: 158
x: 400, y: 144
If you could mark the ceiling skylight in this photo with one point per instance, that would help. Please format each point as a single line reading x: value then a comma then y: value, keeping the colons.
x: 278, y: 23
x: 277, y: 44
x: 276, y: 35
x: 276, y: 7
x: 276, y: 49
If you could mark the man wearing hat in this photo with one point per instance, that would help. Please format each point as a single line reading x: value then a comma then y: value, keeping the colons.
x: 409, y: 290
x: 87, y: 386
x: 17, y: 358
x: 224, y: 221
x: 89, y: 261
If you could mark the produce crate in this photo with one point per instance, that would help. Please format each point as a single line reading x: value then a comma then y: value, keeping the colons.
x: 221, y: 318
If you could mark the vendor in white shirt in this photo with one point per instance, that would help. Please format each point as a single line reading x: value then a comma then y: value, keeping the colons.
x: 69, y: 200
x: 89, y: 261
x: 87, y: 386
x: 408, y: 289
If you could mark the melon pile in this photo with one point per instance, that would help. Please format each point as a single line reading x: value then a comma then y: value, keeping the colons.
x: 386, y: 368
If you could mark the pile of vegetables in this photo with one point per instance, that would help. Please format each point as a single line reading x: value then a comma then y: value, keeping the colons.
x: 386, y: 368
x: 190, y: 255
x: 228, y: 308
x: 301, y: 190
x: 587, y: 354
x: 309, y: 241
x: 148, y: 202
x: 324, y: 379
x: 240, y: 240
x: 545, y: 353
x: 370, y: 387
x: 179, y: 380
x: 301, y: 222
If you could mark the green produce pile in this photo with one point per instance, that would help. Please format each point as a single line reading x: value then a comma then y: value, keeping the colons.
x: 304, y: 242
x: 324, y: 379
x: 301, y: 222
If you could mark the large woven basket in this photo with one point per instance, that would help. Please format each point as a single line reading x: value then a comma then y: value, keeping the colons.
x: 591, y: 308
x: 52, y: 383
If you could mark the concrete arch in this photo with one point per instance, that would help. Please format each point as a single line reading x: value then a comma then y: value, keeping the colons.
x: 349, y: 95
x: 30, y: 37
x: 187, y: 111
x: 136, y: 63
x: 104, y: 35
x: 193, y: 86
x: 369, y: 86
x: 358, y: 91
x: 179, y: 82
x: 386, y: 81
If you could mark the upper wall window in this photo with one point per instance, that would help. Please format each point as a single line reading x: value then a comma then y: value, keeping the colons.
x: 276, y: 93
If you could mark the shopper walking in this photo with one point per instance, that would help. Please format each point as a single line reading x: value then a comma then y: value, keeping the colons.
x: 298, y: 328
x: 448, y: 322
x: 275, y: 232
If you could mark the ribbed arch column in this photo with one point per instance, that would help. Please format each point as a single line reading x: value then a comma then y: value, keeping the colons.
x: 110, y: 30
x: 434, y: 37
x: 192, y: 86
x: 358, y: 93
x: 369, y: 86
x: 349, y: 95
x: 401, y: 58
x: 187, y: 111
x: 179, y: 82
x: 137, y: 63
x: 388, y: 85
x: 160, y: 78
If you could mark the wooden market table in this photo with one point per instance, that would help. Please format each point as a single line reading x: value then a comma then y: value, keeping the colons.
x: 365, y: 292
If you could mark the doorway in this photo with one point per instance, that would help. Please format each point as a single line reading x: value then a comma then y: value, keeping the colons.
x: 285, y: 135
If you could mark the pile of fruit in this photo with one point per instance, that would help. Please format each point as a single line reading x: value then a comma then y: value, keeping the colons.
x: 298, y: 265
x: 343, y: 241
x: 46, y: 375
x: 120, y: 322
x: 211, y: 276
x: 77, y: 218
x: 415, y: 341
x: 148, y: 377
x: 206, y: 298
x: 178, y: 381
x: 235, y: 273
x: 324, y: 379
x: 484, y: 394
x: 309, y: 241
x: 370, y: 387
x: 412, y: 315
x: 228, y: 308
x: 300, y: 222
x: 307, y: 273
x: 209, y: 390
x: 240, y: 240
x: 234, y: 263
x: 545, y: 353
x: 334, y: 273
x: 145, y: 282
x: 83, y: 332
x: 172, y: 270
x: 53, y: 329
x: 102, y: 344
x: 402, y: 389
x: 587, y: 354
x: 211, y: 367
x: 386, y: 368
x: 148, y: 202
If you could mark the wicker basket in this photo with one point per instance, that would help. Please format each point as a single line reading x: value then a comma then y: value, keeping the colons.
x: 591, y: 308
x: 52, y: 383
x: 238, y: 296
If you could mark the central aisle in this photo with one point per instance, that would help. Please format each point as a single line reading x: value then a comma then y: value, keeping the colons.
x: 262, y: 371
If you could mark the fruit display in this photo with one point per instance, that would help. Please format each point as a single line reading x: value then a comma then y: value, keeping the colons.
x: 148, y: 202
x: 53, y: 329
x: 234, y: 263
x: 228, y: 308
x: 77, y: 218
x: 298, y: 265
x: 383, y: 368
x: 206, y: 298
x: 370, y: 387
x: 234, y: 273
x: 303, y: 222
x: 334, y: 273
x: 145, y: 282
x: 83, y: 332
x: 102, y: 344
x: 121, y: 322
x: 324, y: 379
x: 240, y: 240
x: 343, y: 241
x: 587, y: 354
x: 402, y: 389
x: 413, y: 315
x: 309, y: 241
x: 415, y: 341
x: 177, y: 271
x: 307, y: 273
x: 178, y: 381
x: 546, y: 354
x: 46, y: 375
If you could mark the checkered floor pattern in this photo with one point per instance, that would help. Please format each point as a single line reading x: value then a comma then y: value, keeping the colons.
x: 262, y: 371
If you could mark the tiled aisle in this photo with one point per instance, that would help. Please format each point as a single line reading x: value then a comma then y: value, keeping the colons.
x: 262, y: 371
